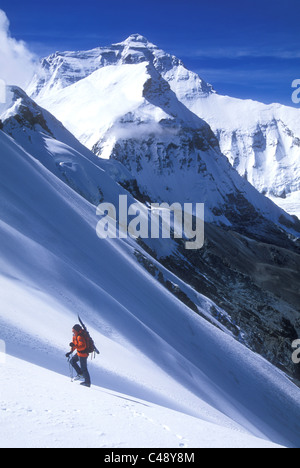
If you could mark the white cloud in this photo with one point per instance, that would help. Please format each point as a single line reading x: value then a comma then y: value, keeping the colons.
x: 17, y: 63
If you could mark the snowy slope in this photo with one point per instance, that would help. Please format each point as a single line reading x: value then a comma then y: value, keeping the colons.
x: 260, y: 141
x: 45, y: 138
x: 152, y: 346
x: 53, y: 413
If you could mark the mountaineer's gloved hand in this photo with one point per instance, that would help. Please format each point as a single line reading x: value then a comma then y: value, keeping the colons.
x: 68, y: 355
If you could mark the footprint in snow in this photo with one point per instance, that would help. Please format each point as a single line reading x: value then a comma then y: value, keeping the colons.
x: 182, y: 444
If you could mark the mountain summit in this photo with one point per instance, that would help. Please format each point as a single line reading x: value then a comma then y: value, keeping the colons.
x: 61, y: 69
x: 138, y: 39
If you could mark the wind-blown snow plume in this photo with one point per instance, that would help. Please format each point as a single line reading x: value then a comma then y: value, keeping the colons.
x: 17, y: 63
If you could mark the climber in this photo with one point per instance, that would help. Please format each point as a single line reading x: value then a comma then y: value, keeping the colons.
x: 80, y: 344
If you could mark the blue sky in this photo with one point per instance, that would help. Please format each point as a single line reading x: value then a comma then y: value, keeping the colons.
x: 247, y: 48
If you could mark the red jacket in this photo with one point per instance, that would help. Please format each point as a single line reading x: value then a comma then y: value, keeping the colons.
x: 80, y: 344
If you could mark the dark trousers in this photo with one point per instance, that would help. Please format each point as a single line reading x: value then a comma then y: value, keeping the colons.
x: 82, y: 370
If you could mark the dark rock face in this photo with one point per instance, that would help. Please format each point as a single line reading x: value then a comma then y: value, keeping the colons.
x: 256, y: 284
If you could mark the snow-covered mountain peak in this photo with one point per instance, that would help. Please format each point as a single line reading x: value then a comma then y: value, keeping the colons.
x: 21, y: 111
x: 62, y: 69
x: 138, y: 41
x: 14, y: 97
